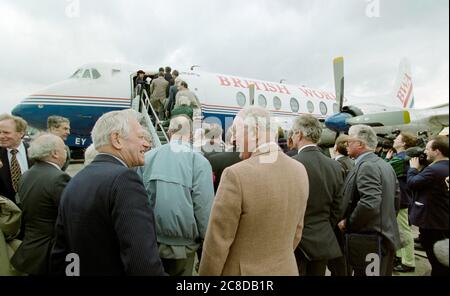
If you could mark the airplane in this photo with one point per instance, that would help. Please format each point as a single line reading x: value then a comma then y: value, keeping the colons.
x: 389, y: 112
x: 97, y: 88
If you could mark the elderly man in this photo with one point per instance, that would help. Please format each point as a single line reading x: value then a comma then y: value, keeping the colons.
x: 369, y: 195
x: 430, y: 210
x: 104, y: 216
x: 180, y: 187
x: 184, y: 91
x: 324, y: 208
x: 257, y: 217
x: 13, y: 155
x: 60, y: 126
x: 40, y: 190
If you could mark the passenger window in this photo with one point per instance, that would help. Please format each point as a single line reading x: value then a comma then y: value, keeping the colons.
x: 276, y: 103
x: 95, y: 74
x: 294, y: 105
x: 310, y: 106
x: 240, y: 99
x: 262, y: 101
x: 87, y: 74
x: 323, y: 108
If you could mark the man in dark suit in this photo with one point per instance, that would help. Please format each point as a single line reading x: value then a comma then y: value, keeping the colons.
x: 104, y: 216
x: 40, y: 189
x: 369, y: 195
x: 324, y: 207
x: 13, y: 155
x: 60, y: 126
x: 219, y: 159
x: 338, y: 266
x: 341, y: 154
x: 430, y: 209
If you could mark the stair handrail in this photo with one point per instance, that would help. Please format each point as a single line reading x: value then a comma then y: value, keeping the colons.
x: 145, y: 103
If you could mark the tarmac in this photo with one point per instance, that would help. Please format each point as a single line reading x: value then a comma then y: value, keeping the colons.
x: 423, y: 267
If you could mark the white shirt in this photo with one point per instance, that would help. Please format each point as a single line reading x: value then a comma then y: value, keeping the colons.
x: 21, y: 157
x: 309, y: 145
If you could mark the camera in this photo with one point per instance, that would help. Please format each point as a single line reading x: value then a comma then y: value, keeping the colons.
x: 417, y: 152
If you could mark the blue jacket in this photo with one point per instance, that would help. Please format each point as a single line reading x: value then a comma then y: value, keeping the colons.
x: 431, y: 198
x: 179, y: 184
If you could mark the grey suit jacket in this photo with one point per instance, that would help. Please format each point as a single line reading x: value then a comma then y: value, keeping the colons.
x: 40, y: 190
x: 324, y: 209
x: 369, y: 193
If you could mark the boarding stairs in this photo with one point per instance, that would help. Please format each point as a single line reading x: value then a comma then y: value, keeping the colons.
x: 141, y: 103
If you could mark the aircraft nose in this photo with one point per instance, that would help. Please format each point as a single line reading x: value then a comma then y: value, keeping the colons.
x: 338, y: 122
x: 17, y: 110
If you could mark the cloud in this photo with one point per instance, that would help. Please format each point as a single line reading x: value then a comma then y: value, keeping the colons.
x: 264, y: 39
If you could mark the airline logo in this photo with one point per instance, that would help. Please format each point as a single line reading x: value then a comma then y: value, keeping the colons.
x: 405, y: 92
x: 229, y: 81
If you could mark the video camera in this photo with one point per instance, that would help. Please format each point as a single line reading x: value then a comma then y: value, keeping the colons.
x: 417, y: 152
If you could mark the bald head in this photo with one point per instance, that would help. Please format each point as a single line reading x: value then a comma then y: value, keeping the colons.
x: 180, y: 127
x: 49, y: 148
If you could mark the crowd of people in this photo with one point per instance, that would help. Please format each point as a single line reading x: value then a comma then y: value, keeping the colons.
x: 168, y: 94
x: 245, y: 206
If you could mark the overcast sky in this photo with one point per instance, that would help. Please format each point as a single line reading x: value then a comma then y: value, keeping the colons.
x: 44, y: 41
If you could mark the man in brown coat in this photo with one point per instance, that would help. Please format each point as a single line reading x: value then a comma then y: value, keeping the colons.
x: 159, y: 93
x: 256, y: 220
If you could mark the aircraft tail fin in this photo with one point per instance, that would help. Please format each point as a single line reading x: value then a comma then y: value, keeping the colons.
x: 403, y: 92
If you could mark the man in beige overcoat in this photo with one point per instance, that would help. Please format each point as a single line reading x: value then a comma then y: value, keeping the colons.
x: 257, y: 216
x: 158, y: 93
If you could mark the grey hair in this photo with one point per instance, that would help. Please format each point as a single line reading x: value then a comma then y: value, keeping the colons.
x: 309, y: 126
x: 213, y: 131
x: 180, y: 125
x: 55, y: 121
x: 113, y: 122
x: 256, y: 117
x: 90, y: 154
x: 43, y: 145
x: 365, y: 134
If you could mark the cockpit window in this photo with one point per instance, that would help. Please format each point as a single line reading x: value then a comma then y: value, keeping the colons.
x: 95, y: 73
x: 77, y: 73
x: 87, y: 74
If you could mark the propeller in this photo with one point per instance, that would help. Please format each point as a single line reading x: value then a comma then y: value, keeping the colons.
x: 338, y: 67
x: 251, y: 90
x: 338, y: 70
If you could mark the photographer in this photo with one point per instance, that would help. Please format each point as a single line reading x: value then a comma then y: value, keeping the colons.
x: 430, y: 210
x: 405, y: 255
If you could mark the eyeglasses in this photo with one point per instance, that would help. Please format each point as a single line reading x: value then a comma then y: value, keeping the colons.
x: 352, y: 140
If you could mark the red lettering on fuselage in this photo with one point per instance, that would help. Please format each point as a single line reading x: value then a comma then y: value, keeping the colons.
x: 224, y: 81
x: 237, y: 83
x: 307, y: 92
x: 253, y: 82
x: 271, y: 87
x: 282, y: 89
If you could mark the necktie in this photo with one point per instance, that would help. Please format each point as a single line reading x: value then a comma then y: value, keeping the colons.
x: 16, y: 173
